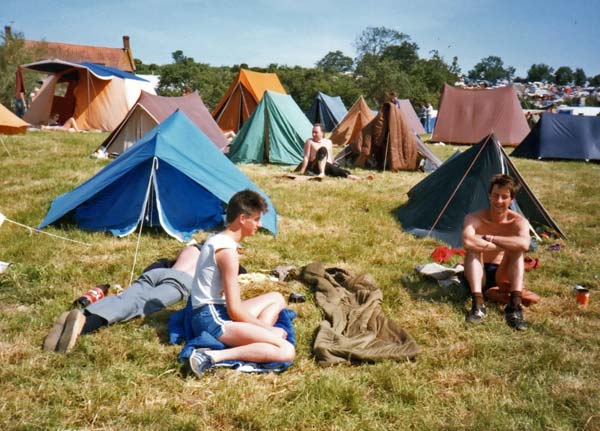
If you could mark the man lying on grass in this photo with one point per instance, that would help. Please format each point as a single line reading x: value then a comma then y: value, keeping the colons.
x: 496, y: 240
x: 318, y: 157
x: 245, y: 327
x: 154, y: 290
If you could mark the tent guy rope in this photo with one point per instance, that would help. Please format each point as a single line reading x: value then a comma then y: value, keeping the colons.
x: 3, y: 218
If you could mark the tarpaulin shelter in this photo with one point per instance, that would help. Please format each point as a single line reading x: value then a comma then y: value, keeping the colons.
x: 275, y: 133
x: 243, y: 96
x: 467, y: 116
x: 357, y: 117
x: 151, y: 110
x: 327, y: 110
x: 97, y: 97
x: 557, y: 136
x: 10, y: 124
x: 411, y: 116
x: 173, y: 177
x: 438, y: 204
x: 386, y: 143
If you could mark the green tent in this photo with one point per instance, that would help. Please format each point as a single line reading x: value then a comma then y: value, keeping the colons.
x: 275, y: 133
x: 438, y: 204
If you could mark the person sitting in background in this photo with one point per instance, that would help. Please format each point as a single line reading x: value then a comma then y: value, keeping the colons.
x: 70, y: 125
x: 318, y: 157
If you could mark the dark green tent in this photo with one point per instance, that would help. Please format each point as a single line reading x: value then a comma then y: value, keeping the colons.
x: 275, y: 133
x: 438, y: 205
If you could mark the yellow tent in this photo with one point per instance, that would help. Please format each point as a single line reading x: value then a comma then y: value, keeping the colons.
x: 243, y: 96
x: 10, y: 124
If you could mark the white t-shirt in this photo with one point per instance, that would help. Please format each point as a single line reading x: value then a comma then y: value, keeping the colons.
x: 207, y: 286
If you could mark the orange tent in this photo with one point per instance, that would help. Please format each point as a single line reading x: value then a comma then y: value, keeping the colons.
x: 10, y: 124
x: 357, y: 117
x: 97, y: 97
x: 241, y: 98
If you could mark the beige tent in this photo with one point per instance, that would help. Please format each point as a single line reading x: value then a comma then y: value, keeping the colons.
x: 151, y: 110
x: 10, y: 124
x: 97, y: 97
x: 348, y: 129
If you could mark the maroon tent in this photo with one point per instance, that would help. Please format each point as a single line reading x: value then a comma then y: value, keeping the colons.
x: 150, y: 110
x: 467, y: 116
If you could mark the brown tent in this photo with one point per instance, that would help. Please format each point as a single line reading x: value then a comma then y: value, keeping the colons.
x: 10, y: 124
x: 387, y: 141
x: 241, y: 98
x: 355, y: 120
x: 411, y: 116
x: 467, y: 116
x: 151, y: 110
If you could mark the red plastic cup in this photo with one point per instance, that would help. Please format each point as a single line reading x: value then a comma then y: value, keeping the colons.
x: 583, y: 297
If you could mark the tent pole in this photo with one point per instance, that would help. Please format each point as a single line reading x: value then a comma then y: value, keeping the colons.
x: 387, y: 146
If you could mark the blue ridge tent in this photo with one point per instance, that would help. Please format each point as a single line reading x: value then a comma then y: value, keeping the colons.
x: 558, y: 136
x: 173, y: 177
x: 327, y: 110
x: 274, y: 133
x: 439, y: 203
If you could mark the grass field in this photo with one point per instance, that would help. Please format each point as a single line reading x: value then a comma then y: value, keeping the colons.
x: 467, y: 378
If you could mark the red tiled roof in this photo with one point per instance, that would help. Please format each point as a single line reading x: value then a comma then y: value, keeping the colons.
x: 113, y: 57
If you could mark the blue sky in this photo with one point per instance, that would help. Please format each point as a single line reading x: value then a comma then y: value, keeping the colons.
x: 260, y: 32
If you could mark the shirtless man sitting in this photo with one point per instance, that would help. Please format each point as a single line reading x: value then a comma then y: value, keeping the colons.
x: 318, y: 157
x: 496, y: 240
x: 70, y: 125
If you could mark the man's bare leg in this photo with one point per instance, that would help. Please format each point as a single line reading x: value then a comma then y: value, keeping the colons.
x: 511, y: 275
x: 475, y: 275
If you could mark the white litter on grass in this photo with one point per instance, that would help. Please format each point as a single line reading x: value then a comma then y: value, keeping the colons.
x: 4, y: 266
x: 2, y: 218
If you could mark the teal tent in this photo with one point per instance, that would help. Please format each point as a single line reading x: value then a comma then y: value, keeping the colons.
x: 275, y: 133
x: 438, y: 204
x: 174, y: 177
x: 327, y: 110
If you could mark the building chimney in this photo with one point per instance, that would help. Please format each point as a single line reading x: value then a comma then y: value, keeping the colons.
x: 7, y: 32
x: 126, y: 43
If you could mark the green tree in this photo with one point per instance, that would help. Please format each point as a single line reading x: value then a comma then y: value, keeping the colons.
x: 595, y: 81
x: 579, y: 77
x: 540, y: 72
x: 335, y: 61
x: 563, y: 75
x: 375, y: 40
x: 12, y: 54
x: 405, y: 54
x: 491, y: 69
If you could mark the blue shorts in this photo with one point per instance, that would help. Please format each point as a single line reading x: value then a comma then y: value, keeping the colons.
x: 210, y: 318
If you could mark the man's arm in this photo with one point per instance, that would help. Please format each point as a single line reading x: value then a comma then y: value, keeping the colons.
x: 518, y: 242
x: 227, y: 260
x: 306, y: 156
x: 472, y: 241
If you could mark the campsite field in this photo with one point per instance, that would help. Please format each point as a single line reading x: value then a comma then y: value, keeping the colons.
x: 467, y: 377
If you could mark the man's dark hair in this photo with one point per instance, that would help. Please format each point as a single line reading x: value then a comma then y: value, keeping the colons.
x: 245, y: 202
x: 503, y: 180
x: 320, y: 126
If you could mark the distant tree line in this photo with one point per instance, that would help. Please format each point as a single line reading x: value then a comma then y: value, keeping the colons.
x: 387, y: 60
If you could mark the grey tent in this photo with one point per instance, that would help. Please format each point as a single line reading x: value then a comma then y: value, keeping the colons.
x: 438, y: 204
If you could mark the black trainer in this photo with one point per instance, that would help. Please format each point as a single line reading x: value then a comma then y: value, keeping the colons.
x: 200, y: 362
x: 514, y: 318
x: 477, y: 314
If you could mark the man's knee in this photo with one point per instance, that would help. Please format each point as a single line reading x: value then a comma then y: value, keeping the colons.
x: 288, y: 352
x: 321, y: 153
